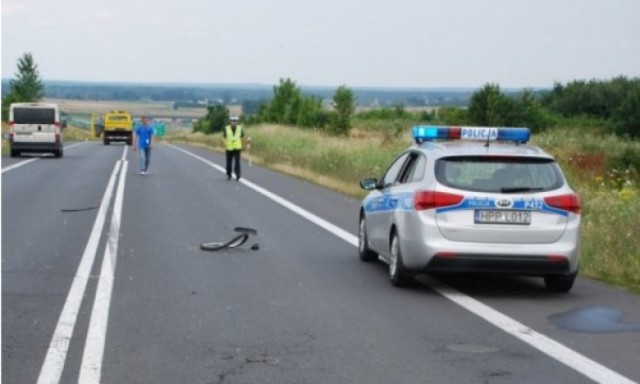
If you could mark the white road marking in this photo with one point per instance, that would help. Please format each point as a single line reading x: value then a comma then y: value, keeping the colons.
x: 341, y: 233
x: 91, y: 368
x: 567, y: 356
x: 20, y: 164
x: 574, y: 360
x: 53, y: 365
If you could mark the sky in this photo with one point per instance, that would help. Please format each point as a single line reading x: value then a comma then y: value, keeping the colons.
x: 357, y: 43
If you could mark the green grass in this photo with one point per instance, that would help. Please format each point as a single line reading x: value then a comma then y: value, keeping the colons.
x: 601, y: 168
x: 604, y: 170
x: 72, y: 133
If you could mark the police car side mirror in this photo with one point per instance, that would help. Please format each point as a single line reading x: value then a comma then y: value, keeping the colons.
x: 369, y: 183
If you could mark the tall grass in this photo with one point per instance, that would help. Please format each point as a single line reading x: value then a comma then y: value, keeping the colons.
x: 601, y: 168
x: 604, y: 170
x: 341, y: 161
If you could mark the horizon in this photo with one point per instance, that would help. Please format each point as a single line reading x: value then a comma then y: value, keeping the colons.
x: 307, y: 86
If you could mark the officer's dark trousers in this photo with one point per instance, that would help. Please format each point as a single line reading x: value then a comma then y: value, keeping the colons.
x: 233, y: 157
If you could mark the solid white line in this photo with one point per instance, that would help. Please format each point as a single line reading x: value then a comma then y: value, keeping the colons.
x: 567, y: 356
x: 548, y: 346
x: 20, y: 164
x: 341, y: 233
x: 91, y: 368
x: 57, y: 353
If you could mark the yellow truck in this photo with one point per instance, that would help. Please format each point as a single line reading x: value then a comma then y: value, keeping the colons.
x: 118, y: 126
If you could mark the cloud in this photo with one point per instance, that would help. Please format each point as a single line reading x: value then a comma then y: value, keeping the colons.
x: 13, y: 8
x: 153, y: 20
x: 94, y: 16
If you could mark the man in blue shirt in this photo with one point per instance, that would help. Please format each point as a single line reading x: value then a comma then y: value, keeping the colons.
x: 143, y: 141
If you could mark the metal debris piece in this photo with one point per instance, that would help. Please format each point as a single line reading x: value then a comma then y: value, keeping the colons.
x: 233, y: 243
x: 79, y: 209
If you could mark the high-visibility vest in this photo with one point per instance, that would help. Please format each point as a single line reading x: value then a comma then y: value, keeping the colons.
x: 233, y: 139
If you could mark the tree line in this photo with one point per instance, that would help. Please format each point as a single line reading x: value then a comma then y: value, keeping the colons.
x: 615, y: 103
x: 290, y: 106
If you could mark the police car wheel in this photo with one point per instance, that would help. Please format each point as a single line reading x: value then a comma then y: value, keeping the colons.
x: 363, y: 249
x: 559, y: 284
x: 397, y: 273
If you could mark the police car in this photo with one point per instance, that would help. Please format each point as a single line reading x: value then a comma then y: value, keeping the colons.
x: 472, y: 199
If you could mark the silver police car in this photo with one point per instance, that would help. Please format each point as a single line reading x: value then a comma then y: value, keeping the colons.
x: 472, y: 199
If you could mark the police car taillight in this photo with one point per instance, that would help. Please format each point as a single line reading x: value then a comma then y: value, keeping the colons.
x: 423, y: 200
x: 422, y: 133
x: 569, y: 202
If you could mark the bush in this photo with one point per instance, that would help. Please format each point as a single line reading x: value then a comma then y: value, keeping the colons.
x: 344, y: 104
x: 453, y: 116
x: 215, y: 120
x: 626, y: 119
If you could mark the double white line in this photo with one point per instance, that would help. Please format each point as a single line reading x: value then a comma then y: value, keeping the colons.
x: 91, y: 367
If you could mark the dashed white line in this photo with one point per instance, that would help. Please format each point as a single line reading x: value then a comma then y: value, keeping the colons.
x: 18, y: 165
x: 25, y: 162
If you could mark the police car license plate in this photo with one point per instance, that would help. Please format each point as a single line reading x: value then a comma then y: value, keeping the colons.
x: 485, y: 216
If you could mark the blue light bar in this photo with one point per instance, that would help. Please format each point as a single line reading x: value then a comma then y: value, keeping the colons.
x: 426, y: 133
x: 515, y: 134
x: 422, y: 133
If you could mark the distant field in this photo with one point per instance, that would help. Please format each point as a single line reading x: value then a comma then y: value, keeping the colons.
x: 155, y: 109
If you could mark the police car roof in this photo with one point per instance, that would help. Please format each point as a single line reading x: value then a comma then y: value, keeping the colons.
x: 472, y: 148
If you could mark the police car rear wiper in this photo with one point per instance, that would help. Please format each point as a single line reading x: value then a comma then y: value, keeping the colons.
x: 521, y: 189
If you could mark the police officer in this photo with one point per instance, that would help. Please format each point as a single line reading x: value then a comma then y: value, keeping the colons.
x: 233, y: 138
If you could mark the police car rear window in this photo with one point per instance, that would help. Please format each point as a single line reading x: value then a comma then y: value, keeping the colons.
x: 499, y: 174
x: 34, y: 116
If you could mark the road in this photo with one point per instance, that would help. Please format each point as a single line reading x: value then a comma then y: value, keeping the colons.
x: 103, y: 281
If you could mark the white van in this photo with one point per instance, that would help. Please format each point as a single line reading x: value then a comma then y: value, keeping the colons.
x: 35, y: 127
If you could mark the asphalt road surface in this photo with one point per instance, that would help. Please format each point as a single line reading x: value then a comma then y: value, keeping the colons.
x: 103, y: 281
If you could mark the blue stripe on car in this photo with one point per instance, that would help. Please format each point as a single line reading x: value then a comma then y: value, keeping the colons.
x: 390, y: 202
x: 404, y: 202
x: 488, y: 203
